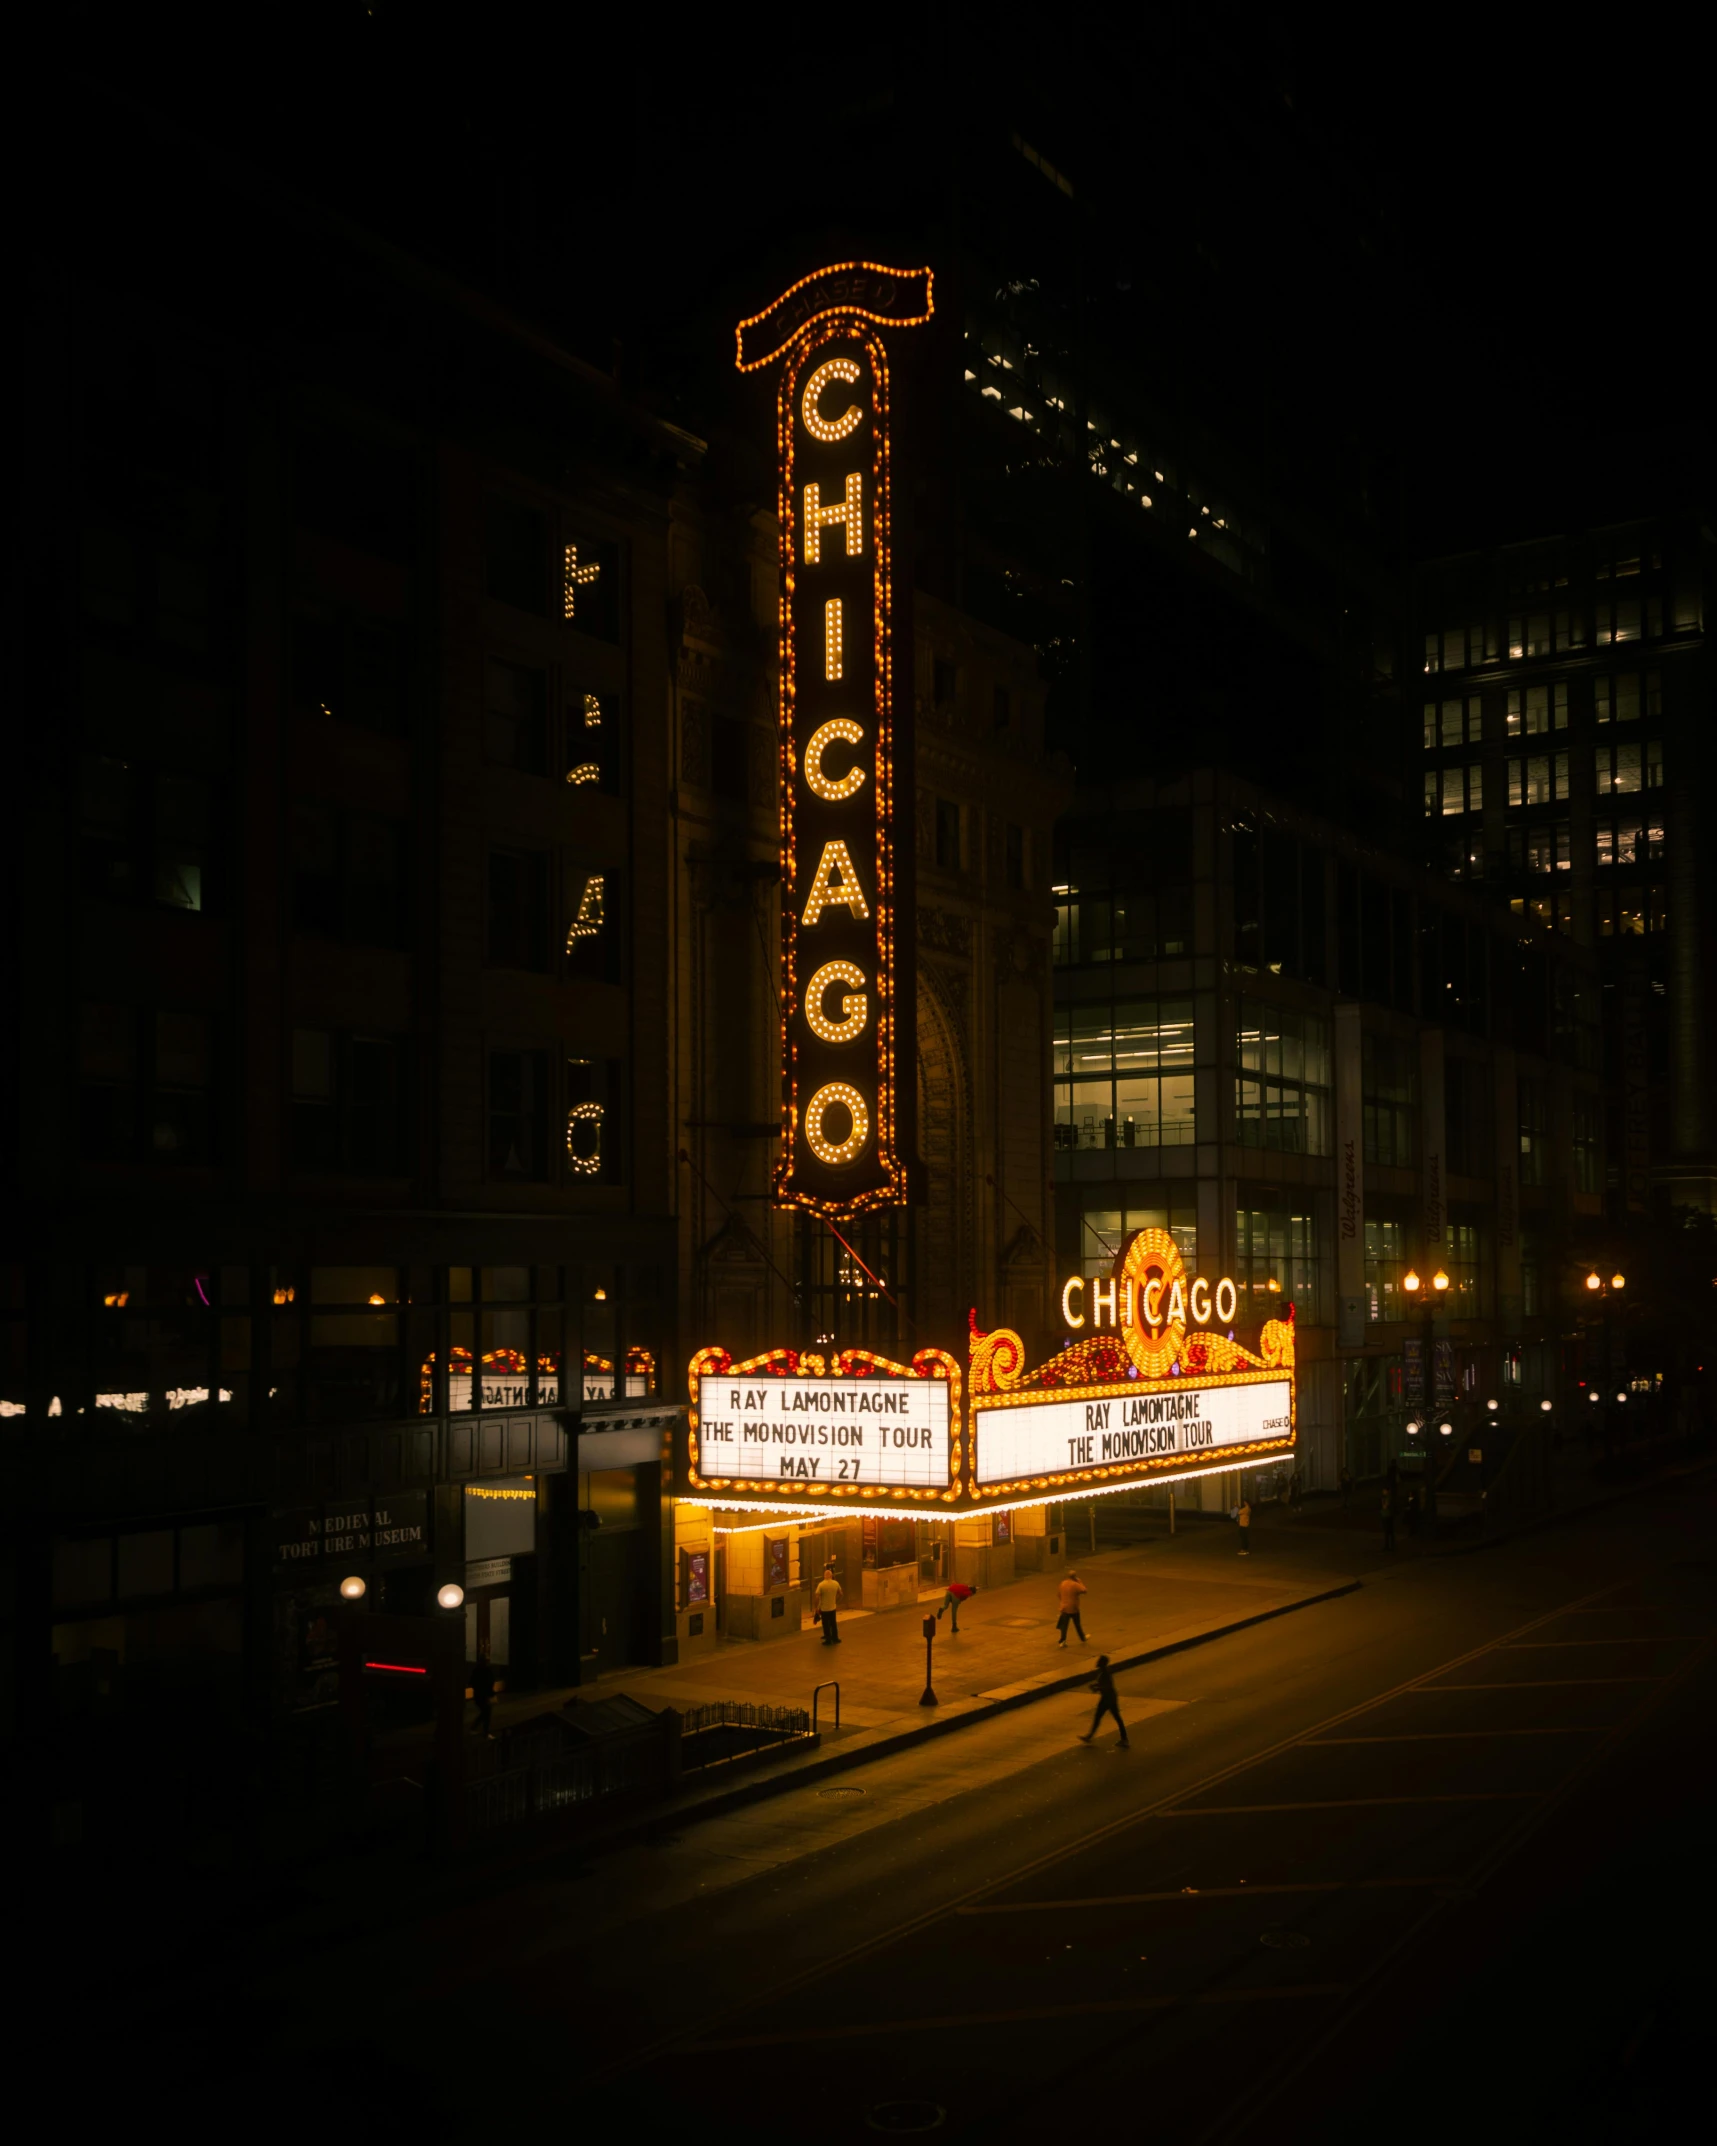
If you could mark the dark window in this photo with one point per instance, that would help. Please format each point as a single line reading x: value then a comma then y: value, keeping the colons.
x: 942, y: 680
x: 1375, y: 941
x: 1004, y: 708
x: 147, y: 834
x: 729, y: 750
x: 518, y: 1115
x: 1248, y: 940
x: 1389, y: 1097
x: 316, y: 893
x: 518, y: 909
x: 358, y: 491
x: 595, y: 1092
x: 351, y: 668
x: 1314, y: 957
x: 948, y: 834
x: 147, y: 1081
x: 1282, y: 1082
x: 1588, y: 1143
x: 518, y: 556
x: 1016, y: 858
x: 1349, y: 973
x: 515, y: 716
x: 348, y: 876
x: 1534, y: 1109
x: 1466, y: 1094
x: 348, y: 1103
x: 1401, y: 934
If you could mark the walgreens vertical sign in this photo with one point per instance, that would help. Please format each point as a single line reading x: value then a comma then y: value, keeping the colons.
x: 838, y: 922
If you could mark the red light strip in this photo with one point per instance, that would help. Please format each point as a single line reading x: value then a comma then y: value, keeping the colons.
x: 399, y: 1669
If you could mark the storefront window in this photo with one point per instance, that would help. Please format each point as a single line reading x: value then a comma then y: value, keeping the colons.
x: 889, y: 1542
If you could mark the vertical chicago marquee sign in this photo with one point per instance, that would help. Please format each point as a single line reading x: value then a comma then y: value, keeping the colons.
x: 838, y: 1015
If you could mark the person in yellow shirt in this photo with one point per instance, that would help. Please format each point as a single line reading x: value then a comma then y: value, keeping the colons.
x: 828, y: 1601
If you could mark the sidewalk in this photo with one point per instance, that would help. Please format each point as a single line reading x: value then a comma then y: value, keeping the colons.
x: 1143, y: 1601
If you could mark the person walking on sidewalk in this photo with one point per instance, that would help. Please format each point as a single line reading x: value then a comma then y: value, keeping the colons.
x: 483, y: 1688
x: 1244, y: 1516
x: 828, y: 1600
x: 958, y: 1592
x: 1107, y: 1703
x: 1388, y: 1518
x: 1071, y: 1589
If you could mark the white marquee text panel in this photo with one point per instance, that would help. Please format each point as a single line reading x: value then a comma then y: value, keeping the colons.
x: 874, y: 1431
x: 1186, y: 1423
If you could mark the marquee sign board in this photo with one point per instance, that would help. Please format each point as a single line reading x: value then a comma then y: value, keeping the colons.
x: 1175, y: 1423
x: 1148, y: 1392
x: 794, y: 1425
x: 794, y: 1428
x: 838, y: 1031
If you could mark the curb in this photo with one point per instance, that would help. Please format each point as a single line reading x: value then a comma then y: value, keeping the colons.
x: 755, y: 1788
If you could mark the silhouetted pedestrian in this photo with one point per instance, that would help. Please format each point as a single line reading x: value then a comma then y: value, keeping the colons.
x: 828, y: 1600
x: 1071, y: 1589
x: 483, y: 1687
x: 1108, y: 1702
x: 1388, y: 1518
x: 1244, y: 1516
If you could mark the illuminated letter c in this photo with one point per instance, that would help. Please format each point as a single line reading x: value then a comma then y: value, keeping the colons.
x: 840, y: 730
x: 1073, y: 1282
x: 817, y: 425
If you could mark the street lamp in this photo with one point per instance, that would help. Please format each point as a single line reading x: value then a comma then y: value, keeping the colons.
x: 1439, y: 1281
x: 450, y: 1596
x: 1618, y: 1281
x: 353, y: 1588
x: 1410, y: 1282
x: 1594, y: 1281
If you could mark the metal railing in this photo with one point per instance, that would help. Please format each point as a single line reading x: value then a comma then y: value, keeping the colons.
x: 646, y: 1761
x: 730, y: 1729
x: 831, y: 1685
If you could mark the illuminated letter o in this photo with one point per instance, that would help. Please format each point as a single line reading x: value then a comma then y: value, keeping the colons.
x: 851, y: 1021
x: 841, y: 729
x: 1227, y: 1301
x: 1073, y: 1282
x: 836, y: 1152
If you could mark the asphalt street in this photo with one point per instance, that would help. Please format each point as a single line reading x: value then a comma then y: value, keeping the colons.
x: 1432, y: 1854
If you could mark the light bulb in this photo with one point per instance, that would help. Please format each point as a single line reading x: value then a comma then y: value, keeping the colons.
x: 353, y: 1588
x: 450, y: 1596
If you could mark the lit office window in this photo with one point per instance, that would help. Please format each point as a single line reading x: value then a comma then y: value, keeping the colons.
x: 1124, y: 1076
